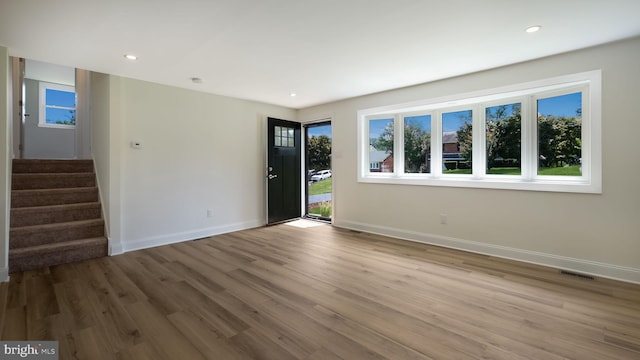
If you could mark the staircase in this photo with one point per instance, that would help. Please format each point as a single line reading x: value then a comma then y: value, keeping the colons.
x: 56, y: 215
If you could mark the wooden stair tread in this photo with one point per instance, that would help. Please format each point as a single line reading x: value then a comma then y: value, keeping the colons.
x: 55, y: 247
x: 56, y: 196
x: 55, y: 190
x: 57, y: 207
x: 22, y: 166
x: 53, y: 173
x: 22, y: 181
x: 59, y: 225
x: 49, y: 214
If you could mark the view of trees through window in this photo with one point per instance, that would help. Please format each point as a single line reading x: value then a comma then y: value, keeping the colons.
x: 319, y: 176
x: 503, y: 127
x: 528, y: 136
x: 560, y: 135
x: 381, y: 145
x: 457, y: 142
x: 417, y: 144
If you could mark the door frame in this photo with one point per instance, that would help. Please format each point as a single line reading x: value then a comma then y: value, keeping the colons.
x: 18, y: 106
x: 305, y: 168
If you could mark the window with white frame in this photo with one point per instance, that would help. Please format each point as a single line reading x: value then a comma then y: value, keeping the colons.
x: 542, y: 136
x: 57, y: 105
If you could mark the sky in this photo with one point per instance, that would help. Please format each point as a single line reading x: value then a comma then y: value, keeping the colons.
x: 376, y: 127
x: 565, y: 105
x: 319, y: 130
x: 61, y: 98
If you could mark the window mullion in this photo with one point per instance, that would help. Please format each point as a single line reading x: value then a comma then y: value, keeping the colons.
x: 398, y: 145
x: 436, y: 144
x: 479, y: 144
x: 528, y: 138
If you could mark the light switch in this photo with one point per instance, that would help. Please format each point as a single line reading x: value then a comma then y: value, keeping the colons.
x: 136, y: 144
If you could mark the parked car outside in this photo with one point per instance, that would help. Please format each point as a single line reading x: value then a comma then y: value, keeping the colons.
x: 310, y: 173
x: 321, y: 175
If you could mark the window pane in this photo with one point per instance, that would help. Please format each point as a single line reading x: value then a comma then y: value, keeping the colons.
x: 457, y: 141
x: 60, y: 98
x: 417, y: 144
x: 503, y: 132
x: 381, y: 145
x: 284, y: 136
x: 560, y: 135
x: 60, y: 116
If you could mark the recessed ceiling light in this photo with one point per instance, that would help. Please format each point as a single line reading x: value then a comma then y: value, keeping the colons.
x: 196, y: 80
x: 532, y: 29
x: 293, y: 94
x: 130, y: 57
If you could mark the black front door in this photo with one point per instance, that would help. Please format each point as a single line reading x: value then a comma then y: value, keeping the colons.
x: 283, y: 172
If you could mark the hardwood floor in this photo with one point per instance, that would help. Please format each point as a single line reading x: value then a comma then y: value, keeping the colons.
x: 286, y: 292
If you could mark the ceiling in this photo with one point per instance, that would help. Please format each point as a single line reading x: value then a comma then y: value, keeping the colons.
x: 322, y: 50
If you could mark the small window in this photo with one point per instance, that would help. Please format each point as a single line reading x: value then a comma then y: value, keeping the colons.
x: 381, y: 144
x: 57, y: 105
x: 503, y: 127
x: 284, y: 136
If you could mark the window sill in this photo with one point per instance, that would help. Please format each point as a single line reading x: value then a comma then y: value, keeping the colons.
x: 560, y: 184
x: 57, y: 126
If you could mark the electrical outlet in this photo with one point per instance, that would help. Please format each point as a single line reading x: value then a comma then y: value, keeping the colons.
x: 443, y: 219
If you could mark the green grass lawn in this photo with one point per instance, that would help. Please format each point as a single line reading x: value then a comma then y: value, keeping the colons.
x: 323, y: 210
x: 321, y: 187
x: 573, y: 170
x: 504, y: 171
x: 457, y: 171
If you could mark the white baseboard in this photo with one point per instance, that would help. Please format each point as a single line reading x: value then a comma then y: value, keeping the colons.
x: 594, y: 268
x: 114, y: 249
x: 4, y: 274
x: 150, y: 242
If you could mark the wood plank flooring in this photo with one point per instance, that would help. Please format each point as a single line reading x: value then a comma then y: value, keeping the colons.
x: 286, y: 292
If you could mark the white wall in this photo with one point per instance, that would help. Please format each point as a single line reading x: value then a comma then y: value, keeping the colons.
x: 199, y: 151
x: 83, y: 114
x: 5, y: 161
x: 16, y: 90
x: 105, y: 152
x: 42, y: 71
x: 597, y: 234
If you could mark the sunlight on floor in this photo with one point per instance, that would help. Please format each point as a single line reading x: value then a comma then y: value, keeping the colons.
x: 304, y: 223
